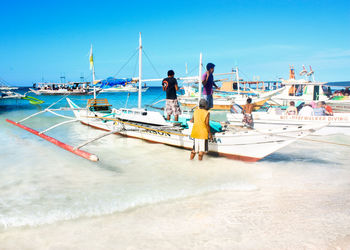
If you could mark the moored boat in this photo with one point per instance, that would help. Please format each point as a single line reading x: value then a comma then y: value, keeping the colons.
x: 339, y: 123
x: 70, y: 88
x: 307, y: 90
x: 113, y: 85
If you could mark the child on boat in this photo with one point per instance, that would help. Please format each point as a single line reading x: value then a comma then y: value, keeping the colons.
x: 201, y: 130
x: 292, y: 110
x: 247, y: 114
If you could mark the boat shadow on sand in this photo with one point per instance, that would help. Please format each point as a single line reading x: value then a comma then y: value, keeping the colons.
x: 294, y: 157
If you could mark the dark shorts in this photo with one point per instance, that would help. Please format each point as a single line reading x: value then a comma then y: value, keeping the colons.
x: 210, y: 100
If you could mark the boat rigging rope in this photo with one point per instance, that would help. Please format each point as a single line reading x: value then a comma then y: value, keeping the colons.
x: 333, y: 143
x: 127, y: 62
x: 154, y: 68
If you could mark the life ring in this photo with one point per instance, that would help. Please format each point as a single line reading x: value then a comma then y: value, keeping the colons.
x: 165, y: 85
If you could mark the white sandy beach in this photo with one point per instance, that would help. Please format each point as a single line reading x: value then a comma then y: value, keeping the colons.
x: 287, y: 205
x: 221, y: 220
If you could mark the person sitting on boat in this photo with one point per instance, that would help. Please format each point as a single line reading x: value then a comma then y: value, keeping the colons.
x: 247, y: 114
x: 313, y: 104
x: 200, y: 130
x: 319, y: 110
x: 170, y: 86
x: 292, y: 110
x: 306, y: 110
x: 347, y: 91
x: 329, y: 110
x: 208, y: 83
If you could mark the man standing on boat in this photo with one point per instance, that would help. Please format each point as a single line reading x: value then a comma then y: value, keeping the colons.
x: 172, y: 105
x: 208, y: 83
x: 247, y: 114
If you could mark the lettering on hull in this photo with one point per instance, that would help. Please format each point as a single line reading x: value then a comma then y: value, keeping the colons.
x: 155, y: 132
x: 313, y: 118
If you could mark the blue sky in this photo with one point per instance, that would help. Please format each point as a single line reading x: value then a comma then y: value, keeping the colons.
x: 47, y: 39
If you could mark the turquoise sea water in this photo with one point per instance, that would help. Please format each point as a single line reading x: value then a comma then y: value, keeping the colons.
x: 42, y: 185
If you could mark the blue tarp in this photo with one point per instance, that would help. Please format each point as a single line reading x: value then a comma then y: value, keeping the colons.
x: 111, y: 82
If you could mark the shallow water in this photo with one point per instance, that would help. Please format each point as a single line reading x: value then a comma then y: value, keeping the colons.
x: 44, y: 187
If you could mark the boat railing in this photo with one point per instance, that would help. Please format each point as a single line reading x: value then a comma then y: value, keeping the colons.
x: 100, y: 105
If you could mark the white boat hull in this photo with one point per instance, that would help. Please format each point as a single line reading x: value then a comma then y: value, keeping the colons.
x: 247, y: 145
x: 62, y: 92
x: 337, y: 124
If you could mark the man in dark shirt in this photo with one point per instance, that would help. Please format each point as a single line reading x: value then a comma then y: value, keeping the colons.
x: 170, y: 86
x: 208, y: 83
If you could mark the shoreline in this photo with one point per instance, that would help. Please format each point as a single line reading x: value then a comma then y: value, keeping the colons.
x: 263, y: 219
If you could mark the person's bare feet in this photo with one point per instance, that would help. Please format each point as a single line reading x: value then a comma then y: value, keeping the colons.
x: 200, y: 156
x: 193, y: 154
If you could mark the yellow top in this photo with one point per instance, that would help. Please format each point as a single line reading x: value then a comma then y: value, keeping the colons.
x: 199, y: 130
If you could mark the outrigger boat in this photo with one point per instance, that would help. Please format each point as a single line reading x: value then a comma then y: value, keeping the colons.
x: 229, y: 141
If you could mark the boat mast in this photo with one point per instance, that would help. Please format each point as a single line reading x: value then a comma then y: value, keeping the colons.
x: 237, y: 78
x: 200, y: 78
x: 92, y: 67
x: 140, y: 71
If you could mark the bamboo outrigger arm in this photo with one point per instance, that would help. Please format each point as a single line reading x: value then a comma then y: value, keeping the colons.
x: 42, y: 134
x: 35, y: 114
x: 63, y: 145
x: 58, y: 124
x: 97, y: 138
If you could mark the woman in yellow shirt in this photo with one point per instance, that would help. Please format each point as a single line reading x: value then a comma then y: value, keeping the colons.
x: 201, y: 130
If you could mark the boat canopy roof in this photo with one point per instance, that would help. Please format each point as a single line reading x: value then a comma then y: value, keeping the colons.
x: 111, y: 82
x: 301, y: 81
x: 338, y: 84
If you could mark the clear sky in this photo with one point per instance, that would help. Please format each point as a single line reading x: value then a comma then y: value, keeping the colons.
x: 48, y: 39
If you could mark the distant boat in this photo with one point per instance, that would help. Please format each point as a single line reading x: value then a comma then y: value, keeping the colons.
x: 8, y: 88
x: 7, y: 93
x: 112, y: 85
x: 128, y: 88
x: 70, y: 88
